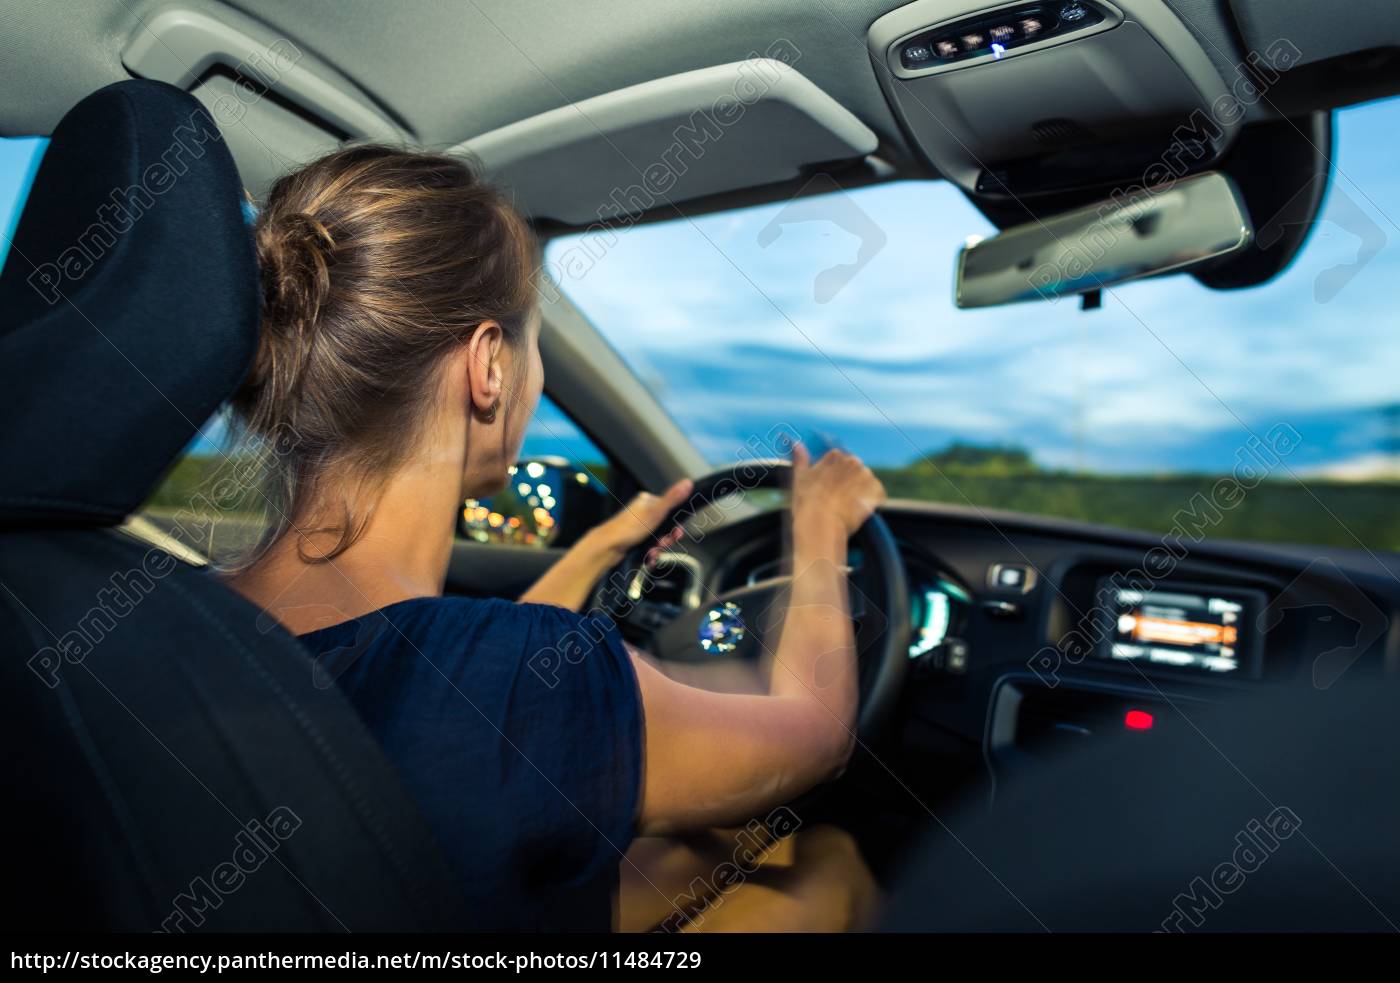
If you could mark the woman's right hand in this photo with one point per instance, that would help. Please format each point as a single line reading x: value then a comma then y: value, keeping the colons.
x: 834, y: 496
x: 718, y: 757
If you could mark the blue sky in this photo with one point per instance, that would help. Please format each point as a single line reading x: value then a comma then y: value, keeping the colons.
x: 1167, y: 376
x: 19, y: 159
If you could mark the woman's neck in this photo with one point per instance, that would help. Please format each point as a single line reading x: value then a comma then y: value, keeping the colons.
x: 402, y: 552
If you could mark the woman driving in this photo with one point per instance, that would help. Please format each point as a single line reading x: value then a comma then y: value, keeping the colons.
x: 397, y: 369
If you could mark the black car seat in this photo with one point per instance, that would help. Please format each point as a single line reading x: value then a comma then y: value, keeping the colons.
x: 171, y: 763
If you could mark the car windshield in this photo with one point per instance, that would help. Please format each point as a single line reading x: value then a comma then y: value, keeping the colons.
x: 833, y: 316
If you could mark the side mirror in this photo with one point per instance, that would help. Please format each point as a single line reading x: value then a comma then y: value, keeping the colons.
x: 1155, y: 231
x: 547, y: 502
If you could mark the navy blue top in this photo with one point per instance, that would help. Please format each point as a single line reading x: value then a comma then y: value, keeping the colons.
x: 518, y: 730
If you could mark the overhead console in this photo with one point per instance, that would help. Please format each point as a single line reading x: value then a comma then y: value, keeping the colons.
x: 1022, y: 99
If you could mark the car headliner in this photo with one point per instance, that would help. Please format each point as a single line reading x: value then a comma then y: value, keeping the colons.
x: 449, y: 71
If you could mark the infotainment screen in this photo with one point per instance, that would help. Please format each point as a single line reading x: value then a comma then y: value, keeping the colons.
x: 1181, y: 626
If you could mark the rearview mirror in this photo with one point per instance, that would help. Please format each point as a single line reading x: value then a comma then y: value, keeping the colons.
x: 1154, y: 231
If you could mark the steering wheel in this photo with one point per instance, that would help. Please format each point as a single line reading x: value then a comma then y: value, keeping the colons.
x: 743, y: 623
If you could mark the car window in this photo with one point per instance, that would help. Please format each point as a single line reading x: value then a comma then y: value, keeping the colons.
x: 19, y: 160
x: 553, y: 433
x: 833, y: 316
x: 560, y: 485
x: 209, y: 501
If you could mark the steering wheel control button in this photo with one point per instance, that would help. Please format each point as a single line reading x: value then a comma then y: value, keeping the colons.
x: 955, y: 656
x: 1017, y: 577
x: 652, y: 616
x: 950, y: 656
x: 722, y: 629
x: 1002, y: 610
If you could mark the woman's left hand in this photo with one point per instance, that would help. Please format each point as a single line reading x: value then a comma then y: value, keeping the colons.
x: 639, y: 519
x: 569, y: 582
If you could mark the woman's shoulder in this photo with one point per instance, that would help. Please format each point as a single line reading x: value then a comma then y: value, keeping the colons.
x: 553, y: 646
x: 456, y: 613
x: 469, y: 631
x: 489, y: 615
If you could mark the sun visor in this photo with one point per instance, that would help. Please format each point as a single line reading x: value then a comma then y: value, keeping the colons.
x: 673, y: 139
x: 263, y: 90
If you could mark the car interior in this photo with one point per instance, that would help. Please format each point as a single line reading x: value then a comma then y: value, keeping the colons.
x: 1069, y: 720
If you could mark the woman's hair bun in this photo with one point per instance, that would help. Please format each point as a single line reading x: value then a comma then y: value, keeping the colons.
x: 296, y: 253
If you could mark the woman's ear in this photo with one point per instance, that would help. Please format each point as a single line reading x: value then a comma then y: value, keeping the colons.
x: 485, y: 373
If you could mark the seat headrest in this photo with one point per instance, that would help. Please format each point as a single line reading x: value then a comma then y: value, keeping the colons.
x: 128, y: 305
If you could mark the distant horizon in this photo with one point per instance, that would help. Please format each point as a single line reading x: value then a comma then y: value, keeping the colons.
x: 578, y: 450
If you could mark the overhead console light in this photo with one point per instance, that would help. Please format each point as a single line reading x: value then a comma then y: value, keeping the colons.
x: 1016, y: 100
x: 1007, y: 32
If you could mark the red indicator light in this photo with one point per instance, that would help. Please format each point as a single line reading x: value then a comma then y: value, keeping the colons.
x: 1137, y: 720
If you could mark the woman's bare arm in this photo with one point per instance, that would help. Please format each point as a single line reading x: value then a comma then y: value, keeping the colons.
x: 714, y: 758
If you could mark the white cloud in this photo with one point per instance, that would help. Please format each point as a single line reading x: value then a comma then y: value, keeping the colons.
x: 1164, y: 367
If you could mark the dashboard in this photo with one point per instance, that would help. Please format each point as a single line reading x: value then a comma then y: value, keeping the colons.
x: 939, y: 602
x: 939, y: 609
x: 1075, y: 633
x: 1030, y: 637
